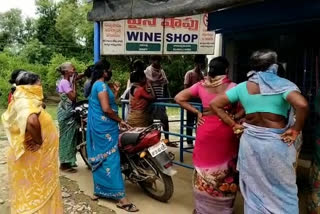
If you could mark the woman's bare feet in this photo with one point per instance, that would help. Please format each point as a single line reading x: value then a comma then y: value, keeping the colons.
x: 94, y: 197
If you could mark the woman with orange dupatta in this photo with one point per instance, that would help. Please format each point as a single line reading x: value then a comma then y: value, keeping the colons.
x: 33, y: 153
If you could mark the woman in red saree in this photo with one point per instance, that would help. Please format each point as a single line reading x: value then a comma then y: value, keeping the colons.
x: 216, y: 147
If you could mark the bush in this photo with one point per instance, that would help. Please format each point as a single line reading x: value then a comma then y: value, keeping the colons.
x: 175, y: 68
x: 120, y: 66
x: 9, y: 63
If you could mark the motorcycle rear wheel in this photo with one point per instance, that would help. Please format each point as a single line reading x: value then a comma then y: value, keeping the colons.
x: 166, y: 180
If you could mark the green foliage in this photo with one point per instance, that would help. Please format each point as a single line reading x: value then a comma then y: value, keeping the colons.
x: 61, y: 27
x: 120, y: 66
x: 47, y: 11
x: 29, y: 31
x: 62, y: 33
x: 76, y: 31
x: 175, y: 68
x: 52, y: 110
x: 9, y: 63
x: 85, y: 28
x: 36, y: 52
x: 67, y: 21
x: 11, y: 27
x: 4, y: 91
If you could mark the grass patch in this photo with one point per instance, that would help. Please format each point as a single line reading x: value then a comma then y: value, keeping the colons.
x: 173, y: 112
x: 52, y: 110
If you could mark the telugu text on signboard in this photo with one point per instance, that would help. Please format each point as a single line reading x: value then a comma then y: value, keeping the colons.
x: 183, y: 35
x: 143, y: 35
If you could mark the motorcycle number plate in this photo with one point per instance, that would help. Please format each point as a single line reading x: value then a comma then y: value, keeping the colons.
x: 157, y: 149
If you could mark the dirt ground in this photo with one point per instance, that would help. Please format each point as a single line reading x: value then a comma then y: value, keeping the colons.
x: 76, y: 202
x: 4, y: 195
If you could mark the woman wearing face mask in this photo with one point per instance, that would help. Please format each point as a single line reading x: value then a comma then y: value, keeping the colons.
x: 67, y: 124
x: 102, y: 139
x: 33, y: 152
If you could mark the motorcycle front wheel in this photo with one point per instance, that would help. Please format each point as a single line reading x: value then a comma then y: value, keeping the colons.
x: 160, y: 187
x: 82, y: 149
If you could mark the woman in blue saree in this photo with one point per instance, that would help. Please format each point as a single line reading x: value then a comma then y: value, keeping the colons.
x: 267, y: 153
x: 102, y: 139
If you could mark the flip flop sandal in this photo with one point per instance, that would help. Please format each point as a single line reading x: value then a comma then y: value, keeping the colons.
x: 70, y: 170
x: 128, y: 207
x: 74, y: 165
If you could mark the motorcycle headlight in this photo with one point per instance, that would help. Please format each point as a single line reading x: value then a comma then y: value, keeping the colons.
x: 143, y: 154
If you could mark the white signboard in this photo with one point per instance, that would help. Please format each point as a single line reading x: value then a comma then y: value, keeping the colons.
x: 183, y: 35
x: 206, y: 38
x: 113, y: 38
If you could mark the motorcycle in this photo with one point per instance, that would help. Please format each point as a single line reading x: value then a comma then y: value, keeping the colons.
x: 144, y: 159
x: 80, y: 114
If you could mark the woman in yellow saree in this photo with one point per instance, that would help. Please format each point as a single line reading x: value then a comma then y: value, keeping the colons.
x: 33, y: 152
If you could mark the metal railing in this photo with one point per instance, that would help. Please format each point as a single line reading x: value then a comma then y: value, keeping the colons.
x: 182, y: 137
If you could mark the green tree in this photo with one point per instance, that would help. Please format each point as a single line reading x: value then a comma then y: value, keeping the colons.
x: 47, y: 12
x: 36, y: 52
x: 73, y: 26
x: 46, y: 33
x: 64, y: 29
x: 29, y: 30
x: 85, y: 27
x: 11, y: 28
x: 68, y: 21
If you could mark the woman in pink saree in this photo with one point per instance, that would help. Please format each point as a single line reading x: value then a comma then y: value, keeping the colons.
x: 216, y: 147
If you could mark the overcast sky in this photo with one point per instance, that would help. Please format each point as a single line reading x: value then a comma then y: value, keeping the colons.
x: 26, y: 6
